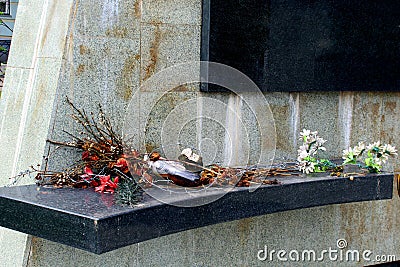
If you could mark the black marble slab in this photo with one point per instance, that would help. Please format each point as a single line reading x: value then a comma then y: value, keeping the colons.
x: 91, y: 221
x: 302, y: 45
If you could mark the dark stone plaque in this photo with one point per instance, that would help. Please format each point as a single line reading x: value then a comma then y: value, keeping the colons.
x: 306, y: 45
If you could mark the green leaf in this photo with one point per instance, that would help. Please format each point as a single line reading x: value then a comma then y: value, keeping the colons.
x: 324, y: 164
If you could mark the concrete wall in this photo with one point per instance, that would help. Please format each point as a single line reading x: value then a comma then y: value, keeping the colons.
x: 101, y: 52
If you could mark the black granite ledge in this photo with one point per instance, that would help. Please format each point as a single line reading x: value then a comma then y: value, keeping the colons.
x: 91, y: 221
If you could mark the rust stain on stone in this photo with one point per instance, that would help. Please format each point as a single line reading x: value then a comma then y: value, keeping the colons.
x: 80, y: 69
x: 244, y: 228
x: 355, y: 223
x: 47, y: 28
x: 155, y: 22
x: 372, y: 111
x: 282, y: 113
x: 390, y: 215
x: 383, y: 119
x: 150, y: 147
x: 117, y: 32
x: 35, y: 252
x: 180, y: 88
x: 125, y: 83
x: 83, y: 50
x: 37, y: 112
x: 346, y: 219
x: 390, y: 106
x: 375, y: 109
x: 70, y: 42
x: 138, y: 9
x: 154, y: 50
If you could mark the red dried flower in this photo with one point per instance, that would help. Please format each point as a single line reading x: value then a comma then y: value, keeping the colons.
x: 122, y: 164
x: 87, y: 156
x: 88, y: 171
x: 107, y: 185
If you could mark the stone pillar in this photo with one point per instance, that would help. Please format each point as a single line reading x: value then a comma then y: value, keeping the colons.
x: 27, y: 99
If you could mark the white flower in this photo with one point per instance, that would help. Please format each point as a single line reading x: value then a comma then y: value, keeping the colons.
x: 303, y: 154
x: 306, y: 167
x: 389, y: 149
x: 348, y: 155
x: 311, y: 144
x: 379, y: 161
x: 378, y: 154
x: 370, y: 147
x: 383, y: 158
x: 320, y: 142
x: 303, y: 147
x: 358, y: 150
x: 305, y: 132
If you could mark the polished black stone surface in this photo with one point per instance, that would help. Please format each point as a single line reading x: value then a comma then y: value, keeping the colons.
x: 91, y: 221
x: 303, y: 45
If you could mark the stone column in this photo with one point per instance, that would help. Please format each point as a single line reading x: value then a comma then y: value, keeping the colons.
x: 27, y: 99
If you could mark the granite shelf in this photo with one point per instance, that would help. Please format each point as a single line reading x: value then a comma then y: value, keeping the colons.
x: 87, y: 220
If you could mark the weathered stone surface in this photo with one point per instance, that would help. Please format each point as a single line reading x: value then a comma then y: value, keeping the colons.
x: 154, y: 123
x: 108, y: 18
x: 367, y: 116
x: 165, y: 45
x: 390, y: 127
x: 312, y: 118
x: 53, y: 37
x: 27, y: 100
x: 24, y: 46
x: 12, y: 103
x: 44, y: 32
x: 285, y: 109
x: 171, y: 12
